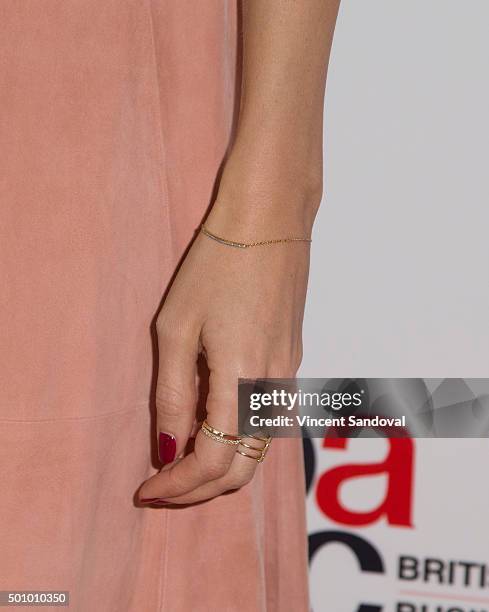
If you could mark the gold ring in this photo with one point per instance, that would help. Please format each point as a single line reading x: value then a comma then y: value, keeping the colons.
x: 262, y: 451
x: 219, y: 436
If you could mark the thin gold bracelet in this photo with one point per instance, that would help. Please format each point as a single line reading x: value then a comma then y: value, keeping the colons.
x: 247, y: 245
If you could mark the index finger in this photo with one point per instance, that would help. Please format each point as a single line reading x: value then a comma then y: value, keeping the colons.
x: 210, y: 459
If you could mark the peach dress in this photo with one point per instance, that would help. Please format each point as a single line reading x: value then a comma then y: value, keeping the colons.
x: 114, y: 118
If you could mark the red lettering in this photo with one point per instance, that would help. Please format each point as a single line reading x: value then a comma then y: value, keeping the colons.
x: 397, y: 503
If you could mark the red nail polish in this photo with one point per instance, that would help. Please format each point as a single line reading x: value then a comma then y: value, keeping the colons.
x: 167, y: 448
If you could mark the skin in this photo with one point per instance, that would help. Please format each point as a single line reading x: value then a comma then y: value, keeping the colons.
x: 243, y: 309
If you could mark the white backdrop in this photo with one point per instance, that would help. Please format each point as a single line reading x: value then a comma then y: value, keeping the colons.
x: 399, y: 287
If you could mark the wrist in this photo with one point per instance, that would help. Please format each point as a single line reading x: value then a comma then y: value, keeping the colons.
x: 251, y: 217
x: 261, y: 200
x: 275, y: 162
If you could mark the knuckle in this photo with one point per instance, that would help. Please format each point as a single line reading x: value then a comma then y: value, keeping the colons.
x: 165, y: 328
x: 285, y: 368
x: 239, y: 480
x: 215, y: 469
x: 170, y: 399
x: 281, y: 370
x: 297, y: 360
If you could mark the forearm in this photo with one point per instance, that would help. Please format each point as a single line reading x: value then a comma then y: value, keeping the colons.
x: 275, y: 166
x: 243, y: 309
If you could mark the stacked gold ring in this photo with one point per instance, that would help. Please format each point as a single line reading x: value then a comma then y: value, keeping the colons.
x: 262, y: 451
x: 224, y: 438
x: 219, y: 436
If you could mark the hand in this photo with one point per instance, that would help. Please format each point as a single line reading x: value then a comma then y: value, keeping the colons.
x: 243, y: 310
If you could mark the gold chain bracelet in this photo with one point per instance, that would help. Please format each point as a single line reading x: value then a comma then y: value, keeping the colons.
x: 247, y: 245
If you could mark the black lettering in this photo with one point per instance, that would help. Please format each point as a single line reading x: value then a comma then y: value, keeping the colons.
x: 407, y: 568
x: 468, y: 567
x: 433, y: 567
x: 367, y: 556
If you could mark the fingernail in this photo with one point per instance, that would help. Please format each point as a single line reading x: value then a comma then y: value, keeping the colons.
x: 153, y: 500
x: 167, y: 448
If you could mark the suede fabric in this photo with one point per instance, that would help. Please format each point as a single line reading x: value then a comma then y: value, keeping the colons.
x: 115, y: 116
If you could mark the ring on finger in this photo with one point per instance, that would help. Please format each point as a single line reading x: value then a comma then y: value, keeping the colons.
x: 219, y: 436
x: 262, y: 450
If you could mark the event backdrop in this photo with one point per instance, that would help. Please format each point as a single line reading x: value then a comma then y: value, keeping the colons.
x: 399, y: 288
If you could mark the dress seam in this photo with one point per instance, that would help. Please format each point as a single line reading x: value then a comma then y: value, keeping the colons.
x: 162, y: 166
x: 164, y: 561
x: 164, y: 191
x: 89, y: 417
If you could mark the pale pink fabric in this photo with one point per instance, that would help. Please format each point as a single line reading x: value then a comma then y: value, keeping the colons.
x: 114, y: 118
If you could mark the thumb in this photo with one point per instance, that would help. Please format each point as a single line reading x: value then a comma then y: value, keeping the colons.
x: 176, y: 393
